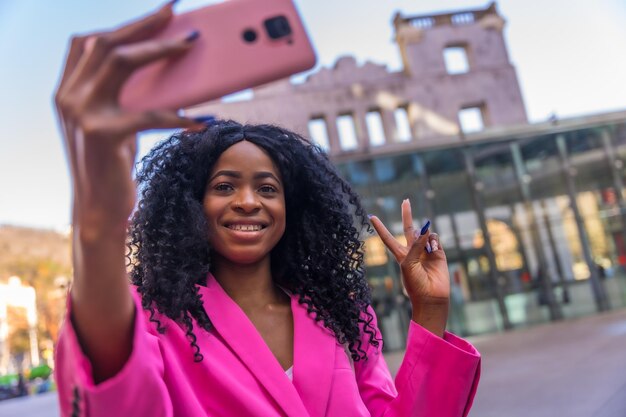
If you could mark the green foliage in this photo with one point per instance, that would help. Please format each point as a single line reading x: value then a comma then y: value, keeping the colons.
x: 41, y: 371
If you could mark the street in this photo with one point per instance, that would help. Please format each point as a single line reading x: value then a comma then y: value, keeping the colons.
x: 43, y: 405
x: 575, y: 368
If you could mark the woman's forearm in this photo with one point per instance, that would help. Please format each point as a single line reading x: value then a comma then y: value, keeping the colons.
x: 431, y: 315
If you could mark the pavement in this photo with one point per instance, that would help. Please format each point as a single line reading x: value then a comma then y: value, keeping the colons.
x: 42, y: 405
x: 574, y: 368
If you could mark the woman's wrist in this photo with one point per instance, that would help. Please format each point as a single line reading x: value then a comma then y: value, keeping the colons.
x: 94, y: 229
x: 431, y: 314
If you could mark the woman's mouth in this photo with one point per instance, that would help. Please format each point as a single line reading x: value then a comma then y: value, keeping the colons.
x: 246, y: 227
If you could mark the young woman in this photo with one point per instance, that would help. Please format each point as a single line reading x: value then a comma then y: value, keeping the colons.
x: 248, y: 293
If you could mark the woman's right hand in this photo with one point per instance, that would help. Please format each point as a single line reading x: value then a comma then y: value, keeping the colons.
x: 100, y: 140
x: 100, y: 136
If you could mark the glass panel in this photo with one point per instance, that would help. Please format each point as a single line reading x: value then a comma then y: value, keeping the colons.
x: 393, y: 169
x: 357, y: 172
x: 375, y: 252
x: 618, y: 134
x: 448, y: 180
x: 600, y: 210
x: 384, y: 170
x: 473, y: 308
x: 533, y: 229
x: 498, y: 189
x: 567, y: 265
x: 509, y: 225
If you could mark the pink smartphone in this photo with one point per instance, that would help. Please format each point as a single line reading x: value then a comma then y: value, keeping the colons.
x: 242, y: 44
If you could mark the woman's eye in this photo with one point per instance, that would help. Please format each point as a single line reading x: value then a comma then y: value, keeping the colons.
x: 223, y: 187
x: 267, y: 189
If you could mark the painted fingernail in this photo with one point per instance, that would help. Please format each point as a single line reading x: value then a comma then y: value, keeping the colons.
x: 169, y: 5
x: 434, y: 246
x: 428, y: 248
x: 369, y: 216
x: 192, y: 36
x: 425, y: 228
x: 205, y: 120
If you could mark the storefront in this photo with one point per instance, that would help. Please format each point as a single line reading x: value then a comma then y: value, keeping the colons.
x: 533, y: 222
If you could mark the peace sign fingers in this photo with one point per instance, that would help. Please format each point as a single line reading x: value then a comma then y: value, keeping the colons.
x: 407, y: 223
x: 398, y: 250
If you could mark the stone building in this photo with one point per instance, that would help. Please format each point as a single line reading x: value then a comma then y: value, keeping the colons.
x: 532, y: 216
x: 455, y: 66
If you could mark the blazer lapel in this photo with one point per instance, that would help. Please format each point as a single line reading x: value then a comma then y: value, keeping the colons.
x: 314, y: 359
x: 246, y: 342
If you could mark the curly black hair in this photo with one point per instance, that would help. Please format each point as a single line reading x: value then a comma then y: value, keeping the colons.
x: 319, y: 257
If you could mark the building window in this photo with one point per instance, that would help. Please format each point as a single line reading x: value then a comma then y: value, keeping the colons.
x: 462, y: 19
x: 403, y: 126
x: 319, y: 132
x: 347, y: 132
x: 374, y: 123
x: 423, y: 22
x: 471, y: 119
x: 455, y: 58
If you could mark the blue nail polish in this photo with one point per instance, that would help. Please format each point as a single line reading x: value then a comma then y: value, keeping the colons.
x: 369, y: 216
x: 206, y: 120
x: 428, y: 248
x: 425, y: 228
x: 192, y: 36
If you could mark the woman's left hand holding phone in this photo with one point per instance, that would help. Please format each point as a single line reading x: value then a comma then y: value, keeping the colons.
x: 94, y: 125
x: 100, y: 141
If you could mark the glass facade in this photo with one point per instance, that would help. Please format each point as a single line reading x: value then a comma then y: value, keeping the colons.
x: 534, y: 227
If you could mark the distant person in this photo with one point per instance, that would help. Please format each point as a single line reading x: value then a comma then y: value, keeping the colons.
x: 22, y: 387
x: 248, y: 294
x: 457, y: 313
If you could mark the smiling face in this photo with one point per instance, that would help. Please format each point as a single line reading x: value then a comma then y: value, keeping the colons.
x: 244, y: 204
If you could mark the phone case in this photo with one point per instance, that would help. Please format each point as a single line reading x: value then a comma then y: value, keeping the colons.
x: 222, y: 61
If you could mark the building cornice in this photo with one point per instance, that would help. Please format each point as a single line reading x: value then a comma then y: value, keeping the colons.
x: 489, y: 135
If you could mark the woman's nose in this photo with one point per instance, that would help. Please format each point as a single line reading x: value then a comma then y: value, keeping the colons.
x: 247, y: 200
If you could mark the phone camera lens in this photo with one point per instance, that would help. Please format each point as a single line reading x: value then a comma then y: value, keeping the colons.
x: 249, y: 35
x: 277, y: 27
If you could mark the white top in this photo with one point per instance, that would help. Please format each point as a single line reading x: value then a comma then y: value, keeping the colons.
x: 288, y: 372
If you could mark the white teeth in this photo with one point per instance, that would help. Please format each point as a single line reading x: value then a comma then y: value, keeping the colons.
x: 246, y: 227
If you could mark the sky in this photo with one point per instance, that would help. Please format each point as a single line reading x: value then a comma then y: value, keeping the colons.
x: 569, y: 54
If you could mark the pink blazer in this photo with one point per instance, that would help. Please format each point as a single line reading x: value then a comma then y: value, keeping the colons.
x: 240, y: 377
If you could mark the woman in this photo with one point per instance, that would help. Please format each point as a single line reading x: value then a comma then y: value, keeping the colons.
x: 248, y: 296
